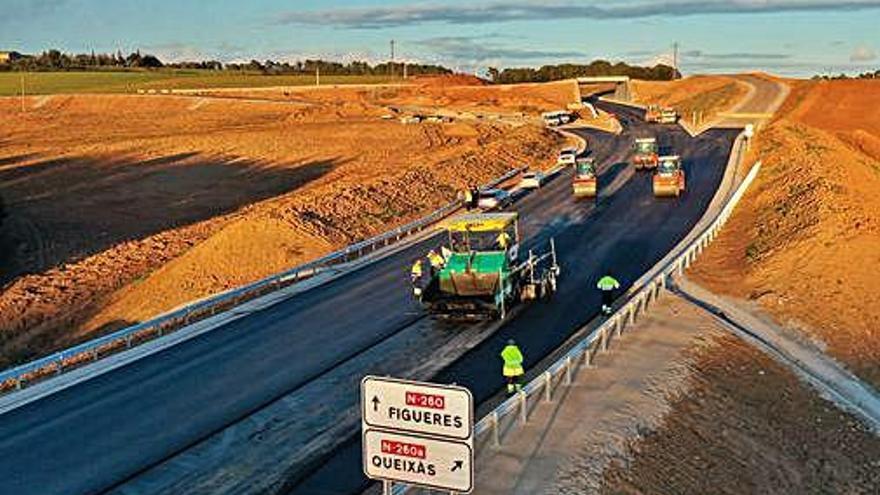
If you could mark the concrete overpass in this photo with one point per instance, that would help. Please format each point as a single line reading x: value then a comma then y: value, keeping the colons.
x: 621, y: 85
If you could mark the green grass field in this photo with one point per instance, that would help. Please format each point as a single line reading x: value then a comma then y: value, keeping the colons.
x: 43, y: 83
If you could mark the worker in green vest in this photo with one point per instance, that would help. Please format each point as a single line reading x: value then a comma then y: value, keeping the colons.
x: 607, y: 285
x: 513, y: 369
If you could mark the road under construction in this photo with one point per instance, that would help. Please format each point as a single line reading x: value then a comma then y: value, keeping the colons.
x: 172, y: 421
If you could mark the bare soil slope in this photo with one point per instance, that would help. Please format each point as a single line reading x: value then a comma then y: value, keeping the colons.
x: 707, y: 94
x: 805, y: 242
x: 748, y: 425
x: 104, y: 191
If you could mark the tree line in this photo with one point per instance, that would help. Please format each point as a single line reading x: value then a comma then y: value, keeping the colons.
x: 863, y: 75
x: 596, y: 68
x: 55, y: 60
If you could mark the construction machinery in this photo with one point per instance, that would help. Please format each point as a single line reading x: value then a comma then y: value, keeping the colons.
x: 652, y: 114
x: 668, y: 116
x: 482, y: 275
x: 585, y: 183
x: 661, y: 115
x: 645, y: 153
x: 669, y: 177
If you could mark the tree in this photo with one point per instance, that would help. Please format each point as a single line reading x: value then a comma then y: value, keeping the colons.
x: 494, y: 74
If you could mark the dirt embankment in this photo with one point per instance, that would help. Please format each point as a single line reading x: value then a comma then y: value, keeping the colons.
x: 748, y: 425
x: 707, y: 95
x: 124, y: 206
x: 805, y: 241
x: 434, y: 93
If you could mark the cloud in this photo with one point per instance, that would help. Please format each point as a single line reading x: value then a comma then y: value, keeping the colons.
x: 480, y: 49
x: 699, y: 54
x: 506, y: 11
x: 863, y: 53
x: 176, y: 52
x: 16, y: 11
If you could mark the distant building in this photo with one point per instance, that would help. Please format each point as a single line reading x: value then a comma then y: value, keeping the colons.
x: 7, y: 57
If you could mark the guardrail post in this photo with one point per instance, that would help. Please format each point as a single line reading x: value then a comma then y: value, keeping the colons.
x: 523, y: 407
x: 569, y: 363
x: 588, y: 355
x: 18, y: 383
x: 632, y: 315
x: 548, y: 381
x: 496, y: 434
x: 606, y: 340
x: 94, y: 354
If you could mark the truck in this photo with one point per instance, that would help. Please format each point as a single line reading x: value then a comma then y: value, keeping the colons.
x: 567, y: 156
x: 585, y: 184
x: 661, y: 115
x: 669, y: 178
x: 483, y: 274
x: 557, y: 118
x: 645, y: 153
x: 668, y: 116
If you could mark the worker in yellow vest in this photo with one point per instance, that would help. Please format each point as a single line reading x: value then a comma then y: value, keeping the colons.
x: 513, y: 368
x: 436, y: 261
x: 415, y: 275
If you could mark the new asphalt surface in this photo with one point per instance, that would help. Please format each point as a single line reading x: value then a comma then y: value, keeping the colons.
x: 97, y: 434
x: 624, y: 233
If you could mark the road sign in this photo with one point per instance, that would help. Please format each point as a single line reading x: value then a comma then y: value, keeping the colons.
x: 420, y: 460
x: 417, y: 407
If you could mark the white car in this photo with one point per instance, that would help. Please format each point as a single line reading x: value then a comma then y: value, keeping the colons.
x: 532, y: 180
x: 567, y: 156
x: 493, y: 198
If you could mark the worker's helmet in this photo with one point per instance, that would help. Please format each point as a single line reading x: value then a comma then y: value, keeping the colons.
x: 511, y: 342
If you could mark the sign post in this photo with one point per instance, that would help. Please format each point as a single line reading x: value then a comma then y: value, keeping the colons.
x: 418, y: 433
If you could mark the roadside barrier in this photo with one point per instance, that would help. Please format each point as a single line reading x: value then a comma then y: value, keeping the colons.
x: 55, y: 364
x: 514, y: 411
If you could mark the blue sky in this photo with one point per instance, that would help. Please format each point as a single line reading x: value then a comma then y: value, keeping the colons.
x: 789, y: 37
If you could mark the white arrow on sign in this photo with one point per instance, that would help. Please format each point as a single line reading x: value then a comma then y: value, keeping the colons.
x: 417, y: 407
x: 431, y: 462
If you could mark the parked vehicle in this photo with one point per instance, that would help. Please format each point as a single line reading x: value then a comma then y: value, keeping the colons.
x: 668, y: 116
x: 557, y: 118
x: 567, y: 156
x: 532, y: 180
x: 493, y: 198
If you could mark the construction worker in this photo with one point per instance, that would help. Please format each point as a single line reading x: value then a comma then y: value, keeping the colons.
x: 436, y: 261
x: 513, y: 369
x: 415, y: 272
x: 503, y: 240
x: 607, y: 285
x: 475, y: 196
x: 468, y: 197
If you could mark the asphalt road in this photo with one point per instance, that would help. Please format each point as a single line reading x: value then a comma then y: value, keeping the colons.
x: 626, y: 233
x: 93, y: 436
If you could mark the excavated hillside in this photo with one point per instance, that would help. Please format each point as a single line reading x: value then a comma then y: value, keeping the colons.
x: 804, y: 244
x: 122, y: 207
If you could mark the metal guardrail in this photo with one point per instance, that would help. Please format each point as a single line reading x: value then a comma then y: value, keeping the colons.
x: 489, y: 430
x: 20, y: 376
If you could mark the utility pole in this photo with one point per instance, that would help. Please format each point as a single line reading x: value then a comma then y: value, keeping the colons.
x: 675, y: 59
x: 317, y: 75
x: 22, y: 91
x: 391, y: 65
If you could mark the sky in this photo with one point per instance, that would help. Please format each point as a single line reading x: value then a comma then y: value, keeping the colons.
x: 787, y: 37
